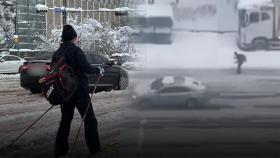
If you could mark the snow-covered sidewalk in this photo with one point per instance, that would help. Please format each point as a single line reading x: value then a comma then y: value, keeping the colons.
x: 204, y: 50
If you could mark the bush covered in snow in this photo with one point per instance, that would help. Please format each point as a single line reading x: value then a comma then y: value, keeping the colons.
x: 116, y: 40
x: 48, y: 43
x: 92, y: 36
x: 7, y: 23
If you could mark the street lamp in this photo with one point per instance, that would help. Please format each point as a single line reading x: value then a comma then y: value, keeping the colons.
x: 16, y: 41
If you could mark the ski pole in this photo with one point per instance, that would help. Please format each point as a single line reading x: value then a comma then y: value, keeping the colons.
x: 30, y: 126
x: 79, y: 130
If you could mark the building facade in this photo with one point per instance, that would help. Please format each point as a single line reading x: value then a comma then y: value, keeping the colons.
x: 56, y: 19
x: 29, y: 23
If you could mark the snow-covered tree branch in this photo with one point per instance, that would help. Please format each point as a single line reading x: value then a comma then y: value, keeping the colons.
x: 92, y: 37
x: 7, y: 23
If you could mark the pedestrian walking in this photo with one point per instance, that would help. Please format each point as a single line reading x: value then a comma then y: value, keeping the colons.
x: 240, y: 59
x: 75, y: 57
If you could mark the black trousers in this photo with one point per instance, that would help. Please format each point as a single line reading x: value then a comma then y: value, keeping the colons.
x: 80, y: 100
x: 239, y: 65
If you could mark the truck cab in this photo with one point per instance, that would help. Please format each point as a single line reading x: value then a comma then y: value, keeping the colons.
x: 257, y: 27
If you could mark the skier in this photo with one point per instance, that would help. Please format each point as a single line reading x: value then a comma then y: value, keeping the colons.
x: 75, y: 57
x: 239, y: 60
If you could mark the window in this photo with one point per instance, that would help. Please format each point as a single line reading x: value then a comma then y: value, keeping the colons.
x: 6, y: 58
x: 89, y: 58
x: 175, y: 90
x: 12, y: 58
x: 243, y: 18
x: 100, y: 59
x: 254, y: 17
x: 265, y: 16
x: 196, y: 83
x: 96, y: 58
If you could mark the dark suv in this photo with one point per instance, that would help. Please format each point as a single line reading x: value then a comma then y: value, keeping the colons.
x: 115, y: 76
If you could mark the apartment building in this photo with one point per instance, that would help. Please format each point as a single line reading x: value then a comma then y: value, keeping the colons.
x: 29, y: 23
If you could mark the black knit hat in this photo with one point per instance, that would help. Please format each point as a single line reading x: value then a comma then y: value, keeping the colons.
x: 68, y: 33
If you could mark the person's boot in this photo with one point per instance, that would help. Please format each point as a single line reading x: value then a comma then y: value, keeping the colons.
x: 61, y: 151
x: 95, y: 150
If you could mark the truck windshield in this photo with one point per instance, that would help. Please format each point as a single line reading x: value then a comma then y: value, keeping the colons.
x: 243, y: 19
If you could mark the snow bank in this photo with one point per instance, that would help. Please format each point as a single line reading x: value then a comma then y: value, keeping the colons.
x: 23, y: 22
x: 23, y: 50
x: 105, y: 9
x: 120, y: 54
x: 254, y: 4
x: 123, y: 9
x: 41, y: 7
x: 155, y: 10
x: 4, y: 77
x: 73, y: 9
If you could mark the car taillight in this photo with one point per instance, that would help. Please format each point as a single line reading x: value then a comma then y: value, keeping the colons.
x: 23, y: 68
x: 48, y: 67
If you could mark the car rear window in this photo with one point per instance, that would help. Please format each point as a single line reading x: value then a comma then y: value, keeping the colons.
x: 89, y: 58
x: 96, y: 58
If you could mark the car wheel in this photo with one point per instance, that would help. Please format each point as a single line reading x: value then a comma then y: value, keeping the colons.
x: 123, y: 83
x: 35, y: 90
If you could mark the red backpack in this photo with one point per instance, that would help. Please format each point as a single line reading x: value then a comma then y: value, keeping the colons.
x: 60, y: 83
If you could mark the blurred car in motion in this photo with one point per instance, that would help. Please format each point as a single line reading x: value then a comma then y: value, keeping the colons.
x: 10, y: 63
x: 115, y: 76
x: 172, y: 91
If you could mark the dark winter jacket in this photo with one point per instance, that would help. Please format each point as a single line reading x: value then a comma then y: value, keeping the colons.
x: 240, y: 58
x: 75, y: 57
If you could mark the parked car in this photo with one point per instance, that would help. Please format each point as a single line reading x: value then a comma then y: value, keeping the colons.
x: 171, y: 91
x: 10, y: 63
x: 115, y: 76
x: 31, y: 71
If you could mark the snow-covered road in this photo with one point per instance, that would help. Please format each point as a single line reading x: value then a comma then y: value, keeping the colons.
x: 241, y: 121
x: 19, y: 108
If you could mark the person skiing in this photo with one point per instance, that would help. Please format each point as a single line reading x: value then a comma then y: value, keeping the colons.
x: 75, y: 57
x: 240, y: 59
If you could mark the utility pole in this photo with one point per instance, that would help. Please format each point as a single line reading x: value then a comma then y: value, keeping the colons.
x: 64, y: 14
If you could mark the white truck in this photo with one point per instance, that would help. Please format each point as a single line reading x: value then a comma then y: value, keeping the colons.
x: 259, y: 24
